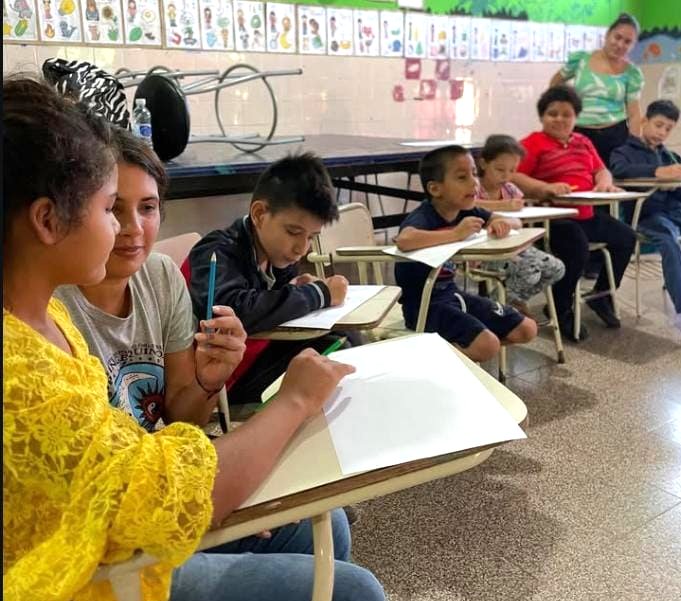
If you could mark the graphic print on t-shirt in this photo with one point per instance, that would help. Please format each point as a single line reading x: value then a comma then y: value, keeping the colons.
x: 137, y: 384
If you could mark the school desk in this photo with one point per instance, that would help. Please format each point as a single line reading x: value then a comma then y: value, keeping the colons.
x: 365, y: 317
x: 322, y: 492
x: 220, y: 169
x: 540, y: 214
x: 613, y: 200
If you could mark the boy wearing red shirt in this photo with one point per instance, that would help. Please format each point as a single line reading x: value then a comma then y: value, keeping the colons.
x: 559, y: 161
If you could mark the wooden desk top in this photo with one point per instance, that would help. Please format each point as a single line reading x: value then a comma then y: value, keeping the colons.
x: 539, y: 213
x: 311, y: 498
x: 368, y: 315
x: 500, y: 249
x: 660, y: 183
x: 574, y: 199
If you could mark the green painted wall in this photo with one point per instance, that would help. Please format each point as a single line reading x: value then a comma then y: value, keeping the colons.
x: 659, y: 13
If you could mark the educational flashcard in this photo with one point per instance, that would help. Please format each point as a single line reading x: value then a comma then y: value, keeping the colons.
x: 103, y: 22
x: 521, y: 41
x: 500, y: 47
x: 19, y: 20
x: 601, y: 32
x: 217, y: 24
x: 539, y: 52
x: 181, y: 18
x: 249, y: 26
x: 415, y: 35
x: 142, y: 20
x: 339, y: 30
x: 555, y: 42
x: 59, y: 21
x: 366, y: 33
x: 591, y: 39
x: 574, y: 39
x: 280, y: 25
x: 311, y: 30
x: 480, y: 38
x: 392, y: 33
x: 460, y: 38
x: 438, y: 40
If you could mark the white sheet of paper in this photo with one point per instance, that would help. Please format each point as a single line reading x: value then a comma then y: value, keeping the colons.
x: 429, y: 143
x: 325, y: 319
x: 536, y: 212
x: 602, y: 195
x: 411, y: 398
x: 437, y: 255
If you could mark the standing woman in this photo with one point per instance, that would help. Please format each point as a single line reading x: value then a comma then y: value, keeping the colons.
x: 609, y: 87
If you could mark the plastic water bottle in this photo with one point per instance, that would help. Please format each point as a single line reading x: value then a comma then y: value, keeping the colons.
x: 141, y: 121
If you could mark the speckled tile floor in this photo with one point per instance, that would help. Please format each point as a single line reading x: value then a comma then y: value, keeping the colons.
x: 588, y: 508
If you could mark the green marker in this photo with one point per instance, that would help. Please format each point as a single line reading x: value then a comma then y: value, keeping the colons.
x: 331, y: 349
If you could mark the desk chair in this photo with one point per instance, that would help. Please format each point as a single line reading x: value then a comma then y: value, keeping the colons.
x: 640, y: 239
x: 351, y: 240
x: 177, y: 248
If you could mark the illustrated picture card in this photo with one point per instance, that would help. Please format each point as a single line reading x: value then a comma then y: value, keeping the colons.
x: 539, y: 51
x: 181, y: 19
x: 280, y: 26
x: 103, y: 23
x: 367, y: 35
x: 217, y: 24
x: 339, y: 30
x: 574, y: 38
x: 19, y: 20
x: 311, y: 29
x: 480, y: 38
x: 249, y: 26
x: 59, y: 21
x: 415, y: 35
x: 438, y: 37
x: 142, y: 20
x: 460, y: 38
x: 556, y: 42
x: 392, y: 33
x: 500, y: 48
x: 521, y: 41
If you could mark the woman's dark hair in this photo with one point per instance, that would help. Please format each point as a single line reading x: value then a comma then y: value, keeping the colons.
x: 498, y: 144
x: 560, y: 93
x: 665, y: 108
x: 433, y: 165
x: 298, y: 181
x: 625, y: 19
x: 135, y: 151
x: 51, y: 148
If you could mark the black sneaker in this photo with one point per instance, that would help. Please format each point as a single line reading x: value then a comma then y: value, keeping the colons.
x: 603, y: 308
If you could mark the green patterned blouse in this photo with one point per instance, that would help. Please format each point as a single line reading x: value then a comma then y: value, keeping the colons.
x: 604, y: 97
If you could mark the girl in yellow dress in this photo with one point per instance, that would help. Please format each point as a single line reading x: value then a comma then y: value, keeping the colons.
x: 83, y: 483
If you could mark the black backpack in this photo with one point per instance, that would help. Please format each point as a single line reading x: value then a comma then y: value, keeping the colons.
x: 102, y: 92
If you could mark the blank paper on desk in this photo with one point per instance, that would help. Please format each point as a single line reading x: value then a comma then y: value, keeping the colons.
x: 411, y: 398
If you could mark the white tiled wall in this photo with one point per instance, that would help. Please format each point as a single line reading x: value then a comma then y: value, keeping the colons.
x: 343, y: 95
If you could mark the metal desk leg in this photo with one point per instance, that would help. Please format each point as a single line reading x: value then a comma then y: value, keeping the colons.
x: 323, y: 557
x: 553, y: 323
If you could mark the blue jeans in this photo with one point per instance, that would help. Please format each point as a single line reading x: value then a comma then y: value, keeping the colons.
x: 663, y: 230
x: 277, y: 569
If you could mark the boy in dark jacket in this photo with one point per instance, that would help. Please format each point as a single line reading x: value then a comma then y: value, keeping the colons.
x: 660, y: 219
x: 257, y: 271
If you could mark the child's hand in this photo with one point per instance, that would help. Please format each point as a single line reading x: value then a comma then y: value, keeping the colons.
x: 302, y: 279
x: 514, y: 204
x: 669, y: 171
x: 310, y: 380
x: 558, y: 189
x: 467, y: 226
x: 607, y: 187
x: 499, y: 228
x: 218, y: 353
x: 338, y: 288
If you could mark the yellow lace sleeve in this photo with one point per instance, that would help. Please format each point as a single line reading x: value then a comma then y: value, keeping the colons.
x: 82, y: 482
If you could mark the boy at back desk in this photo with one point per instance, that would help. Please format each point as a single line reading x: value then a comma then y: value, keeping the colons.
x: 475, y: 324
x: 660, y: 219
x: 257, y: 265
